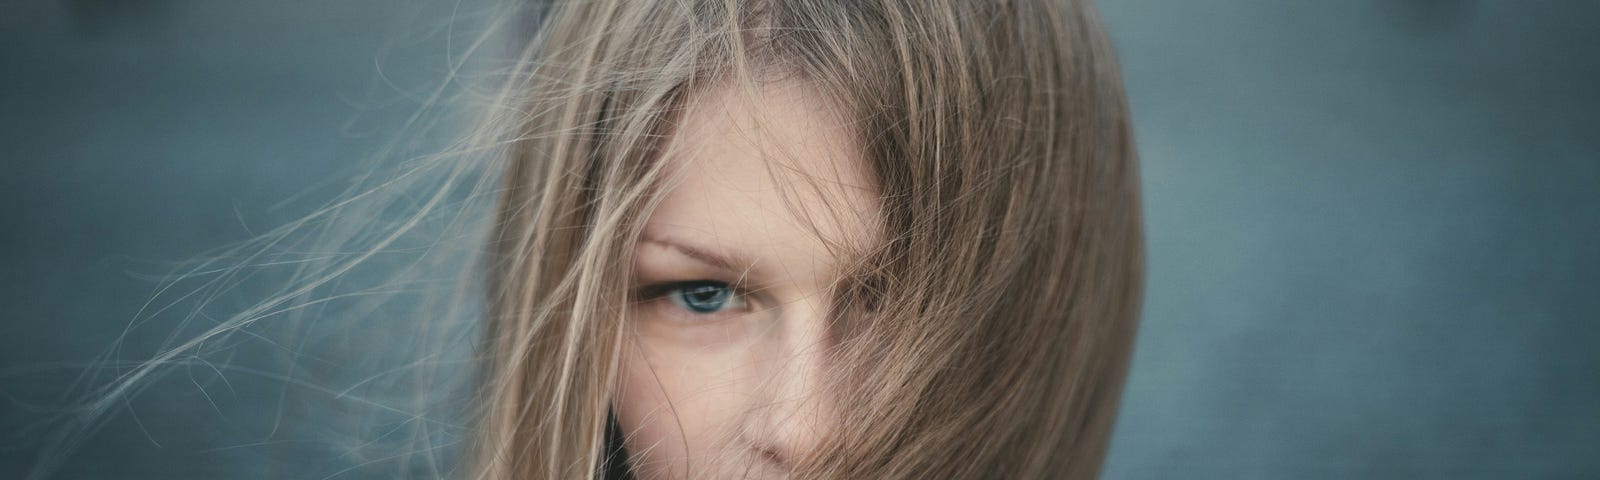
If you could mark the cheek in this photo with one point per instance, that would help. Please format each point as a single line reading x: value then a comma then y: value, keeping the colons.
x: 675, y: 405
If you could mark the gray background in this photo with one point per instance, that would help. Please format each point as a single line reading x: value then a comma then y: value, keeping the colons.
x: 1373, y: 224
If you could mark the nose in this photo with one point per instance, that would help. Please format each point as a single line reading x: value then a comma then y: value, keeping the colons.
x: 791, y: 409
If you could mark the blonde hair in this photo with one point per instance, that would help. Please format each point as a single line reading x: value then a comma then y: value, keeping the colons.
x: 986, y: 336
x: 989, y: 334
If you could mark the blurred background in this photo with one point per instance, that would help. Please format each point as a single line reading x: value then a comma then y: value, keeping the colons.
x: 1374, y: 225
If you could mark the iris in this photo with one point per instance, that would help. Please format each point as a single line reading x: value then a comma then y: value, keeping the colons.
x: 703, y: 297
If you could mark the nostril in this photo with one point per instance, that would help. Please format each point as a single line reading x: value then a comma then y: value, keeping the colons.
x: 774, y: 456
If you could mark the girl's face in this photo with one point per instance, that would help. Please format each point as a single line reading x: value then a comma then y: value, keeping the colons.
x: 723, y: 372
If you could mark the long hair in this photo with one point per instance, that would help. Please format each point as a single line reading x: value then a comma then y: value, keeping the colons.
x: 987, y: 336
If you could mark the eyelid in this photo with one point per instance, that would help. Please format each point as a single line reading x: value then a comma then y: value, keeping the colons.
x: 658, y: 290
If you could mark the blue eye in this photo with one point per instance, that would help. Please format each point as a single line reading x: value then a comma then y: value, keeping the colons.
x: 705, y: 297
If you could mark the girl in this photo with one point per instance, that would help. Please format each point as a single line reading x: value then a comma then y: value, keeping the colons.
x: 811, y: 238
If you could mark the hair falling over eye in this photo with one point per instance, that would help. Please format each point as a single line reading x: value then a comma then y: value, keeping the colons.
x: 984, y: 333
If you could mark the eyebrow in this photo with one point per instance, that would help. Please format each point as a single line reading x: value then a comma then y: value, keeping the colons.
x: 733, y: 261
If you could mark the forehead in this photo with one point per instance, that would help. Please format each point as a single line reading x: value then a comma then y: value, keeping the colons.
x: 773, y: 176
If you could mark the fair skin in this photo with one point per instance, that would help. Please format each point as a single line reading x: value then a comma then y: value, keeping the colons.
x: 722, y: 376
